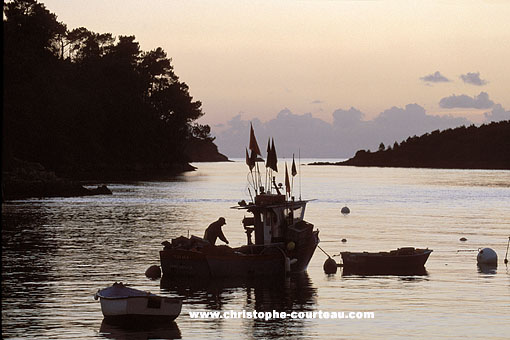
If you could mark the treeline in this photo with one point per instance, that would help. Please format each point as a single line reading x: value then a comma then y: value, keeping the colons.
x: 484, y: 147
x: 77, y: 101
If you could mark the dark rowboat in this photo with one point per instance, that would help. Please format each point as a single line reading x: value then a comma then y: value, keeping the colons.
x: 402, y: 261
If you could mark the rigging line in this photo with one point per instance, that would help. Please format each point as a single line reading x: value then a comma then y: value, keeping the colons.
x: 253, y: 182
x: 506, y: 255
x: 265, y: 179
x: 323, y: 251
x: 258, y: 178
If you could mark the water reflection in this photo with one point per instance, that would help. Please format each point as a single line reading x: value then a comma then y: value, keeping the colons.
x: 168, y: 330
x: 57, y: 252
x: 263, y: 293
x: 295, y: 293
x: 28, y: 250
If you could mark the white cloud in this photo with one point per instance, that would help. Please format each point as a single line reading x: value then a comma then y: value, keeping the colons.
x: 497, y: 114
x: 347, y: 118
x: 436, y: 77
x: 347, y: 134
x: 473, y: 78
x: 480, y: 101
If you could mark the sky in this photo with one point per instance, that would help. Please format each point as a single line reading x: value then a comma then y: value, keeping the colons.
x: 252, y: 60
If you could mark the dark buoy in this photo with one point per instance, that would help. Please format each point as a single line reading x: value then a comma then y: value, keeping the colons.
x: 153, y: 272
x: 463, y: 239
x: 345, y: 211
x: 487, y: 256
x: 330, y: 266
x: 344, y: 240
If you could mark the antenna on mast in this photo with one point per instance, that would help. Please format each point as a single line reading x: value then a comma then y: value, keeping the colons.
x: 299, y: 165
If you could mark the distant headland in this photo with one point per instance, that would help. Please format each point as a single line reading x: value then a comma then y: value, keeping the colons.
x: 484, y: 147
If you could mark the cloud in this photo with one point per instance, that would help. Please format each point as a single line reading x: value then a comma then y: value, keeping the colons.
x: 318, y: 101
x: 473, y: 79
x: 347, y: 118
x: 436, y: 77
x: 348, y: 133
x: 480, y: 101
x: 497, y: 114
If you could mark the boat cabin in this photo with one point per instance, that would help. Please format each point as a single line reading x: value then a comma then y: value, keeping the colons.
x: 272, y: 217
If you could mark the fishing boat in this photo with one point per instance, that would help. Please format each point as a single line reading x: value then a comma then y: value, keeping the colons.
x: 121, y: 303
x: 283, y: 241
x: 406, y: 260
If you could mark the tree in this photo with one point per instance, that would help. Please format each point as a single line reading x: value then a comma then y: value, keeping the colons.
x: 90, y: 100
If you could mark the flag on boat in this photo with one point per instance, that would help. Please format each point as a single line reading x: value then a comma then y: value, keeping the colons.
x: 287, y: 182
x: 254, y: 147
x: 249, y: 160
x: 293, y: 170
x: 272, y: 161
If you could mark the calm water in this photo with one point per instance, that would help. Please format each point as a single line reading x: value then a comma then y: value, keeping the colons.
x: 57, y: 252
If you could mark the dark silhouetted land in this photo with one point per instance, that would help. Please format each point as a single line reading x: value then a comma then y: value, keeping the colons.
x: 86, y: 105
x: 484, y: 147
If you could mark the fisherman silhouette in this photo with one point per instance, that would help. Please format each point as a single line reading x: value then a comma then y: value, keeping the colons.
x: 214, y: 231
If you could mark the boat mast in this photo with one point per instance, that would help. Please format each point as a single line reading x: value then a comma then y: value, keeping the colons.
x: 299, y: 166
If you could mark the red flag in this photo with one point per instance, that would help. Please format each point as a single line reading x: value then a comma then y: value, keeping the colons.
x: 268, y: 161
x: 271, y: 157
x: 249, y: 161
x: 254, y: 158
x: 287, y: 182
x: 254, y: 147
x: 274, y: 159
x: 294, y: 171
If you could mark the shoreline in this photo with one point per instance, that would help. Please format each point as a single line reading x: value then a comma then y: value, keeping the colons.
x: 22, y: 179
x: 417, y: 166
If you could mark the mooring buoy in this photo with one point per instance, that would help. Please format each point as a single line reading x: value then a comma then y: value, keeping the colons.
x: 487, y: 256
x: 344, y: 240
x: 153, y: 272
x: 463, y: 239
x: 345, y: 210
x: 330, y: 266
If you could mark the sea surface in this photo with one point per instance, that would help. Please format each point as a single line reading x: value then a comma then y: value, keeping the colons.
x: 57, y: 252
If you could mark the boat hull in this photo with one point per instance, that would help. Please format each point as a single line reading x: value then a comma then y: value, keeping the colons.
x: 191, y: 264
x: 304, y: 254
x: 395, y: 262
x: 141, y: 307
x: 273, y: 260
x: 120, y: 302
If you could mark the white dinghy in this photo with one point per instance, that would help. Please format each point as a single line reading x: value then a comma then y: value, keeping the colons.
x: 124, y: 303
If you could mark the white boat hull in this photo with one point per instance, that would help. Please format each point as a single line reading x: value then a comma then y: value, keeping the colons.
x: 138, y: 304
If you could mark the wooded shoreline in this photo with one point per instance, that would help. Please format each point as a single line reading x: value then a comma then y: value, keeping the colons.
x: 485, y: 147
x: 80, y: 105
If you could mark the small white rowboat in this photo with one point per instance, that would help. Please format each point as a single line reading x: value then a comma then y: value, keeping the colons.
x: 124, y: 303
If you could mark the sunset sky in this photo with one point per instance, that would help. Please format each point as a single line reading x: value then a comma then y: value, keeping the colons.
x: 260, y: 57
